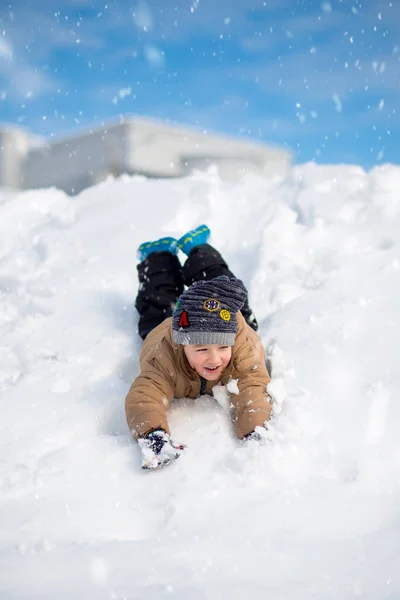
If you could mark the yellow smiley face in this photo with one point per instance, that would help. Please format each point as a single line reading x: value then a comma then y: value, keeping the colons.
x: 225, y: 315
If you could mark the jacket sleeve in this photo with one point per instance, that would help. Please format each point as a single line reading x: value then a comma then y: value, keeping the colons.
x: 150, y: 394
x: 252, y: 403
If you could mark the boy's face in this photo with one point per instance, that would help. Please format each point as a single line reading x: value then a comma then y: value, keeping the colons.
x: 208, y: 360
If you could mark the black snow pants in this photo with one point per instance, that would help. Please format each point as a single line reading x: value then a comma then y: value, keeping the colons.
x: 162, y: 281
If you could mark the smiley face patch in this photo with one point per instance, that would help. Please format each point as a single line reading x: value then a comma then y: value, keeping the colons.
x: 225, y: 315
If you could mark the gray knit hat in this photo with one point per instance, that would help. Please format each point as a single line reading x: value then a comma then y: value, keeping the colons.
x: 206, y: 312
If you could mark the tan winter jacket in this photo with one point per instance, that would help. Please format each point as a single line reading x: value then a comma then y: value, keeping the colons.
x: 166, y: 374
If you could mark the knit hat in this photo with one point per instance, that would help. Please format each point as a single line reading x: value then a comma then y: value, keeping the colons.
x: 206, y: 312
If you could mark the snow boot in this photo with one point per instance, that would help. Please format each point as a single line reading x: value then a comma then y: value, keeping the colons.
x: 193, y: 238
x: 166, y: 244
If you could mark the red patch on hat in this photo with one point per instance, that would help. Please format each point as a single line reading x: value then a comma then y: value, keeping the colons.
x: 184, y: 320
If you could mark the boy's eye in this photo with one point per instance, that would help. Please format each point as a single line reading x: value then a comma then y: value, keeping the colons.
x: 223, y: 347
x: 201, y: 350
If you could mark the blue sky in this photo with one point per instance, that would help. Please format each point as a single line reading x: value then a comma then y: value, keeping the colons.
x: 321, y: 77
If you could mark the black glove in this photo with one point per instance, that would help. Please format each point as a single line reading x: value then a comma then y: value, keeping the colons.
x: 158, y: 449
x: 260, y: 435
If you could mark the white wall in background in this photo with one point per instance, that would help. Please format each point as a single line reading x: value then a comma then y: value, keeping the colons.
x: 137, y: 145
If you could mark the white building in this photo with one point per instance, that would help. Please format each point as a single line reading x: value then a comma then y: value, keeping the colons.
x: 135, y: 146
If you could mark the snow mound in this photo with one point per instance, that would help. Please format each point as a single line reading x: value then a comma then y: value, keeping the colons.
x: 313, y: 513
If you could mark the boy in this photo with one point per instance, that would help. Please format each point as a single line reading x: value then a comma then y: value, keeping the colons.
x: 194, y: 339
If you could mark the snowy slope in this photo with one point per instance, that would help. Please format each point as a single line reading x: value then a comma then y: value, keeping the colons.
x: 315, y: 513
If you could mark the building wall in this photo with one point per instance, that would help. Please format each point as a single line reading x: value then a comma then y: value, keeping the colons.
x: 176, y: 151
x: 78, y: 161
x: 15, y: 143
x: 138, y: 145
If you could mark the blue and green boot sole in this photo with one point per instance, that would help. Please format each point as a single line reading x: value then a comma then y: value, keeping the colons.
x: 166, y: 244
x: 193, y: 238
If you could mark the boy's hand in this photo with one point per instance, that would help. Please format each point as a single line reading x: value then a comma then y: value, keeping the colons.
x: 158, y: 449
x: 260, y: 435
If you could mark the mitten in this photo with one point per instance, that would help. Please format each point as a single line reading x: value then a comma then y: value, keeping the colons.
x: 260, y: 435
x: 158, y: 449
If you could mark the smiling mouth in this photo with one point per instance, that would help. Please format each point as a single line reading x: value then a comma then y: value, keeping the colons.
x: 211, y: 368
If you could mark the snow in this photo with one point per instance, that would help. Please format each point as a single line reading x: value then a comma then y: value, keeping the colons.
x: 313, y: 513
